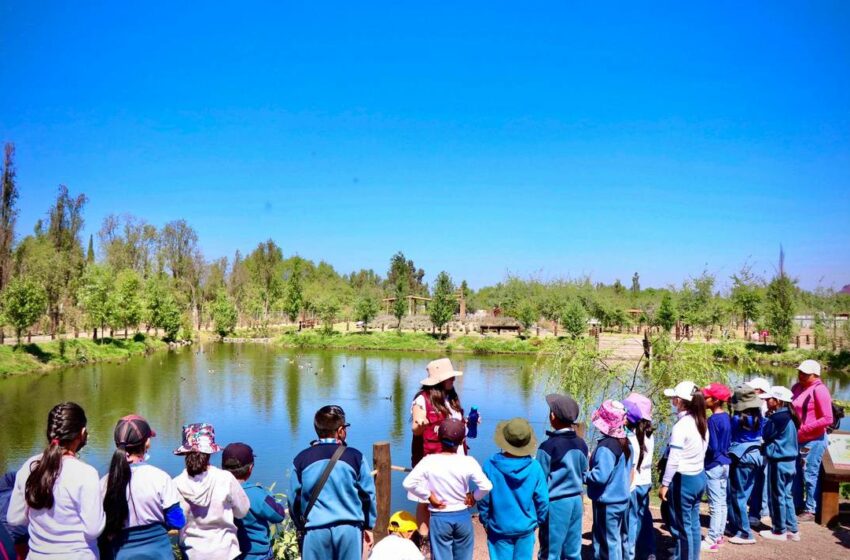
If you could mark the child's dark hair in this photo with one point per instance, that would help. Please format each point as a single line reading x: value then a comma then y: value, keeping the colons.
x: 696, y: 408
x: 794, y: 417
x: 65, y: 423
x: 197, y: 463
x: 115, y: 504
x: 328, y: 420
x: 751, y: 419
x: 625, y: 446
x: 643, y: 429
x: 440, y: 396
x: 239, y: 473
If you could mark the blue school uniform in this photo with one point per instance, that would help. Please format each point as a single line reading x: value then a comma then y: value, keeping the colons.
x: 513, y: 509
x: 780, y: 451
x: 344, y: 508
x: 717, y: 463
x: 608, y: 481
x: 253, y: 529
x: 745, y: 452
x: 563, y: 459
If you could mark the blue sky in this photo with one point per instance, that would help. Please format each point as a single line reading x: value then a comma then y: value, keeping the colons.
x: 557, y: 140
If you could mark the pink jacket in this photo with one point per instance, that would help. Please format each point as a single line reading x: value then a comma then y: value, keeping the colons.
x: 818, y: 414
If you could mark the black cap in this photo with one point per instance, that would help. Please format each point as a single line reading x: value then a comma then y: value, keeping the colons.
x: 237, y: 455
x: 564, y: 407
x: 451, y: 432
x: 132, y: 431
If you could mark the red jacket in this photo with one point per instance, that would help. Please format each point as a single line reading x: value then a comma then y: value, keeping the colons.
x: 813, y: 405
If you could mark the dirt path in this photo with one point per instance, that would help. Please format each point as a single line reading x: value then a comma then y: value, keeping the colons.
x: 817, y: 543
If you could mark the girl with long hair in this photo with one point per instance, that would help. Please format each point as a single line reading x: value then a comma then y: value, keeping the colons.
x: 639, y: 431
x: 747, y: 462
x: 140, y: 501
x: 684, y: 480
x: 57, y: 495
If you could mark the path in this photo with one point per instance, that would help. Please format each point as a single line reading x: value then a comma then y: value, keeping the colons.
x: 817, y: 543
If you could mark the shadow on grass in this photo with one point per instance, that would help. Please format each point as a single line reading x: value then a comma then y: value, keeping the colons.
x: 762, y: 348
x: 37, y: 352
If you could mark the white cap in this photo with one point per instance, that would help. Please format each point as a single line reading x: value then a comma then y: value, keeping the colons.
x: 684, y: 390
x: 779, y: 393
x: 759, y: 384
x: 810, y: 367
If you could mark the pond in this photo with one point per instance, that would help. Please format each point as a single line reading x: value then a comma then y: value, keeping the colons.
x: 266, y: 396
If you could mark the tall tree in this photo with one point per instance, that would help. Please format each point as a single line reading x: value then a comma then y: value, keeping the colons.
x: 293, y: 299
x: 399, y: 308
x: 745, y: 296
x: 182, y: 259
x: 574, y: 318
x: 264, y: 266
x: 127, y: 299
x: 666, y: 315
x: 223, y: 313
x: 95, y: 297
x: 636, y: 284
x: 366, y: 309
x: 442, y: 304
x: 8, y: 213
x: 90, y: 251
x: 779, y: 307
x: 403, y: 269
x: 23, y: 302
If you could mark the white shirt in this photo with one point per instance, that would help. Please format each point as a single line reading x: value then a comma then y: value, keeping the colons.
x: 687, y: 449
x: 70, y: 528
x: 211, y: 501
x: 420, y: 402
x: 643, y: 475
x: 448, y: 477
x: 395, y: 547
x: 150, y: 492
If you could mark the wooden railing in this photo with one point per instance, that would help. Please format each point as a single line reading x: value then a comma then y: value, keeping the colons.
x: 382, y: 463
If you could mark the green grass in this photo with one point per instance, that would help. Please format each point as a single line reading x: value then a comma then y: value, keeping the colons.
x: 29, y: 358
x: 739, y: 351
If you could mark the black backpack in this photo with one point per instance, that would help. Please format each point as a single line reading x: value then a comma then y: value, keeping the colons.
x: 837, y: 414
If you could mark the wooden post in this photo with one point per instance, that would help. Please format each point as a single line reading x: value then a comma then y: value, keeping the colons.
x: 382, y: 463
x: 798, y: 341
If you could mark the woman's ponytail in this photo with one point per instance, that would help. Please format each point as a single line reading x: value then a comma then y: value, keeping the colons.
x: 65, y: 423
x: 115, y: 504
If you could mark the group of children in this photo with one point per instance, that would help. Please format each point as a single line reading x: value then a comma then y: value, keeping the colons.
x: 524, y: 493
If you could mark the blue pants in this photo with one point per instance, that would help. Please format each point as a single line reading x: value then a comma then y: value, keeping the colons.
x: 808, y: 474
x: 560, y: 534
x: 741, y: 481
x: 780, y: 477
x: 451, y: 535
x: 758, y: 498
x: 717, y: 480
x: 342, y: 542
x: 511, y: 548
x: 610, y: 534
x: 641, y: 537
x: 684, y: 495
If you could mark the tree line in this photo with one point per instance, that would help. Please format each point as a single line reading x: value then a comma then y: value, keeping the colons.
x: 133, y: 275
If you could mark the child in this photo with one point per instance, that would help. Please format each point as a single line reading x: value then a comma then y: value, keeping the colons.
x: 563, y: 458
x: 211, y: 499
x: 397, y: 544
x: 758, y: 497
x: 58, y: 495
x: 252, y: 531
x: 639, y: 431
x: 683, y: 481
x: 608, y: 482
x: 746, y: 462
x: 443, y: 479
x: 780, y: 450
x: 519, y: 500
x: 140, y: 500
x: 717, y: 463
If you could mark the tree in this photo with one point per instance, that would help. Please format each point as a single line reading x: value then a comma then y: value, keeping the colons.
x: 745, y: 296
x: 264, y: 266
x: 90, y: 251
x: 442, y: 305
x: 779, y: 310
x: 328, y: 308
x: 695, y: 304
x: 94, y: 296
x: 666, y: 315
x: 127, y: 299
x: 403, y: 269
x: 23, y: 303
x: 399, y: 308
x: 574, y: 318
x: 636, y: 284
x: 365, y: 309
x: 224, y: 314
x: 8, y: 213
x: 526, y: 314
x: 161, y: 308
x: 293, y: 299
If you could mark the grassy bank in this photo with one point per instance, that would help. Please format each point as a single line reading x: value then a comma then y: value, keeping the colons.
x: 747, y: 351
x: 37, y: 357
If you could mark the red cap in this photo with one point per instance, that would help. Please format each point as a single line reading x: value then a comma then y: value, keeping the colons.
x: 718, y: 391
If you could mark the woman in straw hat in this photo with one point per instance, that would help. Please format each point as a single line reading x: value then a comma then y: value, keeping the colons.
x: 436, y: 400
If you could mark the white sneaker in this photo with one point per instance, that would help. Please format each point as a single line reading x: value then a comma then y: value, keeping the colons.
x: 742, y: 540
x: 709, y: 546
x: 794, y: 536
x: 770, y: 535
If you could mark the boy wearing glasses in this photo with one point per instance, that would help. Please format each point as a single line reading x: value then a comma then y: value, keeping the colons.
x: 344, y: 512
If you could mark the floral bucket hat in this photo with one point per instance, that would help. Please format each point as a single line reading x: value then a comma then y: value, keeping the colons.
x: 198, y: 437
x: 610, y: 418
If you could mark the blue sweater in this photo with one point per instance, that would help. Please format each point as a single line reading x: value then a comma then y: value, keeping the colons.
x: 563, y: 458
x: 519, y: 500
x: 348, y: 497
x: 780, y: 436
x: 253, y: 530
x: 609, y: 476
x: 719, y: 439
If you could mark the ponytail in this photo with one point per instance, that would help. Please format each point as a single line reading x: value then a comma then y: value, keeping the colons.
x: 65, y: 423
x: 642, y: 429
x: 696, y: 408
x: 115, y: 504
x: 625, y: 446
x: 794, y: 417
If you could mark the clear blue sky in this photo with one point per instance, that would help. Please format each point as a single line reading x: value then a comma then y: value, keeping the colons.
x: 559, y: 140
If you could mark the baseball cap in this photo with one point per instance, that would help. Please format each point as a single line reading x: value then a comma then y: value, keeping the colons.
x: 779, y: 393
x: 684, y: 390
x: 759, y: 384
x: 132, y: 431
x: 718, y: 391
x: 811, y: 367
x: 451, y: 432
x: 401, y: 522
x: 564, y: 407
x: 237, y: 455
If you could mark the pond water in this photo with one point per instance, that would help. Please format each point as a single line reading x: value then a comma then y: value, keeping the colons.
x: 267, y: 396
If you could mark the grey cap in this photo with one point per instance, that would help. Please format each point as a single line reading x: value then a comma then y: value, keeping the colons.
x: 564, y: 407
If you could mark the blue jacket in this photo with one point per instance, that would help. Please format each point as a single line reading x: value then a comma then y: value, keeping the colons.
x: 348, y: 497
x: 253, y: 530
x: 780, y: 436
x: 609, y: 477
x: 743, y: 429
x: 563, y: 458
x: 519, y: 500
x: 719, y: 439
